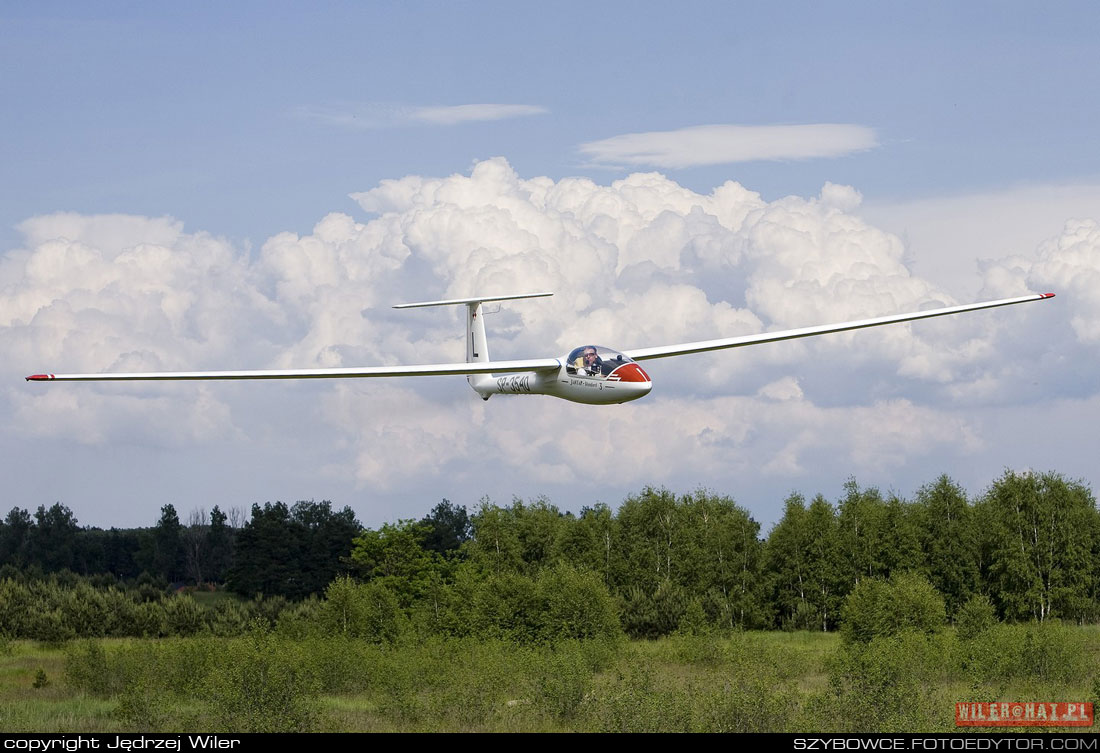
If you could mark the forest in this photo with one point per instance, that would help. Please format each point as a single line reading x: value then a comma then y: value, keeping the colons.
x: 667, y: 613
x: 1027, y: 547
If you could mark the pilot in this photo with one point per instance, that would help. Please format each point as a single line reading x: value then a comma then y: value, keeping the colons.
x: 591, y: 362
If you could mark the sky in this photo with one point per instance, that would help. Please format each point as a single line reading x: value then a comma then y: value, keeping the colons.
x: 254, y: 186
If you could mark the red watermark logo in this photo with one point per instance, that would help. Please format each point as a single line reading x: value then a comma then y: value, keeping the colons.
x: 1017, y: 714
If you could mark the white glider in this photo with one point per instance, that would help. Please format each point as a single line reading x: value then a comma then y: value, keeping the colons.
x: 589, y: 374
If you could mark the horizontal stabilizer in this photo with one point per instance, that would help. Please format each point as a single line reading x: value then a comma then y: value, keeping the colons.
x: 479, y: 299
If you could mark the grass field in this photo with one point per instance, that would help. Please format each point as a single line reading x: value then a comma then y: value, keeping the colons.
x: 743, y: 682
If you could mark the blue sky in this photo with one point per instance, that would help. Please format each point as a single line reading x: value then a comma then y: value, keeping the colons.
x: 969, y: 122
x: 196, y: 111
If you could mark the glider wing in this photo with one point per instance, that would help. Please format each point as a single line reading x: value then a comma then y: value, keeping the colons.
x: 666, y: 351
x: 436, y: 369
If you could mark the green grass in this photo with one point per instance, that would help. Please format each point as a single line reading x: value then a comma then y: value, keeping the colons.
x: 742, y: 682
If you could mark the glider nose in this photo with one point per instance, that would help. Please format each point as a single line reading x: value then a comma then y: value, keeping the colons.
x: 633, y: 378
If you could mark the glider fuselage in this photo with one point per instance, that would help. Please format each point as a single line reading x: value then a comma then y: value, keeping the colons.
x: 609, y: 382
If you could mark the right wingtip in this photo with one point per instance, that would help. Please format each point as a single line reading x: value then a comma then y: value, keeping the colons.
x: 40, y: 377
x: 1047, y: 295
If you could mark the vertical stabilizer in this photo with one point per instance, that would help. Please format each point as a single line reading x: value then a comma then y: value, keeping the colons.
x: 477, y: 348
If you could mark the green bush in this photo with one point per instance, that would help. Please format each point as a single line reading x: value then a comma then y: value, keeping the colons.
x: 184, y: 616
x: 575, y: 604
x: 646, y: 615
x: 889, y: 683
x: 634, y: 703
x: 1047, y: 652
x: 260, y: 685
x: 227, y: 619
x: 876, y: 608
x: 975, y: 617
x: 562, y: 680
x: 86, y: 668
x: 506, y: 606
x: 361, y: 610
x: 144, y: 707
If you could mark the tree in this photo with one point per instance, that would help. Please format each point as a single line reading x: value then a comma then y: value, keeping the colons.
x: 876, y: 537
x: 495, y: 545
x: 395, y: 556
x: 168, y: 545
x: 805, y: 564
x: 538, y: 525
x: 722, y: 559
x: 649, y: 535
x: 324, y: 543
x: 575, y: 604
x: 219, y: 541
x: 1041, y: 534
x: 949, y: 540
x: 194, y: 544
x: 591, y: 541
x: 14, y: 537
x: 448, y: 528
x: 267, y: 554
x: 828, y: 586
x: 787, y: 562
x: 52, y: 539
x: 292, y: 551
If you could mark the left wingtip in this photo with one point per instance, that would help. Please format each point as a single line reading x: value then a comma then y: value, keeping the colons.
x: 40, y: 377
x: 1047, y: 295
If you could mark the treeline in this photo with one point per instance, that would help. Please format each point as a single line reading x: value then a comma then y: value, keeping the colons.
x: 291, y: 551
x: 1028, y: 546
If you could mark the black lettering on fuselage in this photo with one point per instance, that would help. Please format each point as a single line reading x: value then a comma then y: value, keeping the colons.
x: 517, y: 384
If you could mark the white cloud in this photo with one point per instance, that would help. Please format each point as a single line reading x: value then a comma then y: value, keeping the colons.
x: 450, y: 115
x: 643, y: 261
x: 388, y: 115
x: 947, y: 237
x: 1068, y: 263
x: 724, y: 144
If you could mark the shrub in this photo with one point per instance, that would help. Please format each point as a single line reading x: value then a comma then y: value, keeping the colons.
x: 890, y: 683
x: 877, y: 608
x: 975, y: 617
x: 1047, y: 651
x: 361, y: 610
x: 259, y: 686
x: 575, y: 604
x: 563, y: 678
x: 183, y: 616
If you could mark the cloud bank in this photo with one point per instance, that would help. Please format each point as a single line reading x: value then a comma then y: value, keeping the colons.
x: 642, y: 261
x: 726, y: 144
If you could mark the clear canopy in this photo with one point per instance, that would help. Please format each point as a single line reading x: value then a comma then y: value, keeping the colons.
x: 594, y: 360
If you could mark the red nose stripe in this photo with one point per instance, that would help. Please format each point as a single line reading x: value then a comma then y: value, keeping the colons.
x: 630, y: 372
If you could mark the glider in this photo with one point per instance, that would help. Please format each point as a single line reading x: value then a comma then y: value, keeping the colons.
x: 589, y: 374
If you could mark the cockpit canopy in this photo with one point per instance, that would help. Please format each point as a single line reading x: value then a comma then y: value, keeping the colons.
x: 594, y: 360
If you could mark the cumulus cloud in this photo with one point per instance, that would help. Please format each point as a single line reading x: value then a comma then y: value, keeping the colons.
x: 388, y: 115
x: 724, y: 144
x: 1068, y: 263
x: 640, y: 262
x: 946, y: 235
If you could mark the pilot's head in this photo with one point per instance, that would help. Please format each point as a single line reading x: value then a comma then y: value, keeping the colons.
x: 590, y: 356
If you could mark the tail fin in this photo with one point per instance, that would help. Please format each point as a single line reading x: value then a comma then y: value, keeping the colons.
x: 477, y: 346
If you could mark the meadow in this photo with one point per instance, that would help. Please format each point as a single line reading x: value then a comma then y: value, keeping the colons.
x: 265, y: 681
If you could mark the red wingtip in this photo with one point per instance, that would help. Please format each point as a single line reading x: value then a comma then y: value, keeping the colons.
x: 40, y: 377
x: 1048, y: 295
